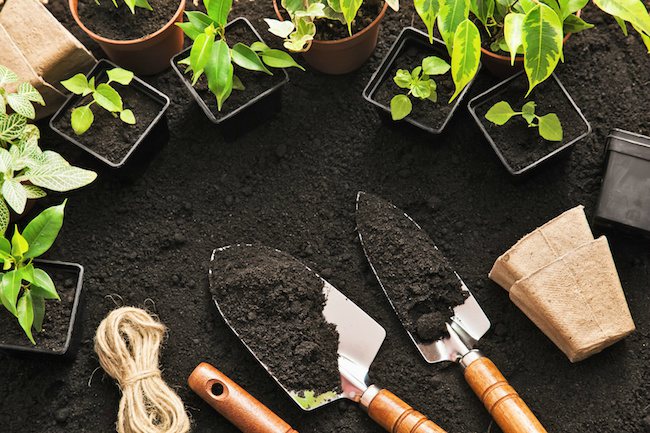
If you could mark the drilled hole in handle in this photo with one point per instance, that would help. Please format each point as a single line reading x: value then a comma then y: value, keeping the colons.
x: 217, y: 389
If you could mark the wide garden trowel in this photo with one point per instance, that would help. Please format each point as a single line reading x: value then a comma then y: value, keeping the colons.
x: 386, y: 233
x: 359, y: 337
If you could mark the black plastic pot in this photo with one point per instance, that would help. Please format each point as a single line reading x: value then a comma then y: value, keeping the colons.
x: 150, y: 138
x: 73, y: 337
x: 243, y: 118
x: 410, y: 38
x: 624, y: 201
x: 505, y: 90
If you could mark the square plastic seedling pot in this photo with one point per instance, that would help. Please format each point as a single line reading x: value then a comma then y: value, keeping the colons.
x: 624, y: 201
x: 73, y: 337
x: 243, y: 118
x: 149, y: 137
x: 492, y: 96
x: 409, y: 37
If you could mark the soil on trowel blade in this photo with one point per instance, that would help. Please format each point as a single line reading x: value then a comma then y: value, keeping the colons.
x: 419, y: 280
x: 275, y: 304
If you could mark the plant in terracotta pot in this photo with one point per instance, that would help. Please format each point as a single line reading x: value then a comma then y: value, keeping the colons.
x: 335, y: 36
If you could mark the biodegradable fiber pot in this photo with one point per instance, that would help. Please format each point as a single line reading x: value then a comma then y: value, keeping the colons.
x: 147, y: 55
x: 344, y: 55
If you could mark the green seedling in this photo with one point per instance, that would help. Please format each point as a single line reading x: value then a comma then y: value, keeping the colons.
x: 211, y: 55
x: 16, y: 108
x: 549, y: 125
x: 103, y: 95
x: 132, y: 4
x: 24, y: 287
x: 419, y: 84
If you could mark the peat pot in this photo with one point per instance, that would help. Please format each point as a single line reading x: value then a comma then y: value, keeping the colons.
x: 519, y: 147
x: 147, y: 55
x: 110, y: 140
x: 61, y: 326
x: 244, y: 109
x: 407, y: 52
x: 345, y: 55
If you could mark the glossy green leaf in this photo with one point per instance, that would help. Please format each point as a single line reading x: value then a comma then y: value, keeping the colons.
x: 43, y: 286
x: 466, y: 56
x: 245, y: 57
x: 77, y: 85
x: 550, y: 127
x: 279, y: 59
x: 199, y: 20
x: 632, y: 11
x: 542, y: 40
x: 483, y: 9
x: 42, y: 231
x: 200, y: 54
x: 10, y: 290
x: 428, y: 12
x: 403, y: 78
x: 451, y: 14
x: 421, y: 89
x: 528, y: 111
x: 5, y: 246
x: 120, y: 75
x: 568, y: 7
x: 349, y: 8
x: 38, y: 304
x: 574, y: 24
x: 219, y: 71
x: 108, y: 98
x: 237, y: 84
x: 622, y: 25
x: 82, y: 119
x: 219, y: 10
x: 25, y: 314
x: 19, y: 245
x: 127, y: 117
x: 400, y: 107
x: 190, y: 30
x: 434, y: 65
x: 500, y: 113
x: 513, y: 33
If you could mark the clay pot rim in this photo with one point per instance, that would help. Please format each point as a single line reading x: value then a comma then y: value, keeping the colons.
x: 73, y: 4
x: 374, y: 23
x: 518, y: 59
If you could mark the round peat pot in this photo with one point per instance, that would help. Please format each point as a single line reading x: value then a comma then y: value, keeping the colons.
x: 344, y: 55
x: 147, y: 55
x: 61, y: 326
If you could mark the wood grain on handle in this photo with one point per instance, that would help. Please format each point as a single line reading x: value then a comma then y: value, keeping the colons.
x: 234, y: 403
x: 500, y: 399
x: 395, y: 416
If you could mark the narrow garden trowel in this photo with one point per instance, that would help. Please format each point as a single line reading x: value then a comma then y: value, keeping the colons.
x: 359, y: 340
x: 378, y: 222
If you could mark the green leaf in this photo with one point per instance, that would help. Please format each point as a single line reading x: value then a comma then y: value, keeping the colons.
x: 403, y: 78
x: 421, y: 89
x: 34, y: 192
x: 528, y: 111
x: 483, y: 9
x: 190, y: 30
x: 60, y: 178
x: 30, y: 92
x: 10, y: 290
x: 400, y: 107
x: 108, y: 98
x: 4, y: 218
x: 15, y: 195
x: 82, y: 118
x: 143, y: 4
x: 500, y: 113
x: 120, y: 75
x: 433, y: 65
x: 5, y: 246
x: 7, y: 76
x: 78, y: 85
x: 19, y: 245
x: 218, y: 10
x: 428, y: 12
x: 466, y: 56
x: 513, y: 33
x: 258, y: 46
x: 237, y: 84
x: 131, y: 5
x: 622, y: 25
x: 42, y: 285
x: 21, y: 105
x: 127, y: 117
x: 25, y: 314
x: 550, y: 127
x: 568, y: 7
x: 279, y: 59
x: 38, y: 304
x: 199, y: 20
x: 542, y: 40
x: 314, y: 10
x: 11, y: 126
x: 632, y: 11
x: 219, y: 71
x: 245, y: 57
x: 451, y: 14
x: 42, y: 231
x: 350, y: 9
x: 575, y: 24
x: 200, y: 54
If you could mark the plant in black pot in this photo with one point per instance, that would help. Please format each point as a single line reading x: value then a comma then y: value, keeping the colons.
x: 229, y: 63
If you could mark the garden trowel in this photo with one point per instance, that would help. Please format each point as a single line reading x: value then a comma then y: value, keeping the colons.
x: 360, y: 338
x: 465, y: 326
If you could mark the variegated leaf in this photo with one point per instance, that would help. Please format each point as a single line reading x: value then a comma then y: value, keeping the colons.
x: 4, y: 217
x: 21, y: 105
x: 450, y: 15
x: 30, y: 92
x: 466, y: 56
x: 428, y: 11
x: 6, y: 160
x: 542, y: 40
x: 60, y: 178
x: 513, y: 33
x: 632, y: 11
x: 15, y: 195
x: 7, y: 76
x: 34, y: 192
x: 393, y: 4
x: 11, y: 126
x: 483, y: 9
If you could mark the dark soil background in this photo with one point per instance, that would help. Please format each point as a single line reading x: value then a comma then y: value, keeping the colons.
x: 330, y: 30
x: 291, y: 184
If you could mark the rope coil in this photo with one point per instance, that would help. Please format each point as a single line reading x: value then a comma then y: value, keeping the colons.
x: 127, y: 343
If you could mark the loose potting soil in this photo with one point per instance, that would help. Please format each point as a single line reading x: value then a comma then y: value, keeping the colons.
x: 417, y: 278
x: 332, y: 30
x: 275, y: 304
x: 118, y: 23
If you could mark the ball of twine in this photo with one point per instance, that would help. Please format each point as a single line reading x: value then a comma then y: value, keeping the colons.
x: 127, y: 343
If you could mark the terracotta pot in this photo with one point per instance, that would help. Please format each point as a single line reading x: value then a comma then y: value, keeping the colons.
x: 145, y: 56
x: 343, y: 55
x: 500, y: 66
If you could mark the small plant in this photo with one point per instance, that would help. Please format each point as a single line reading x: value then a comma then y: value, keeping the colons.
x: 132, y: 4
x: 419, y: 83
x: 211, y: 55
x: 25, y: 287
x: 299, y: 32
x: 104, y: 95
x: 549, y: 125
x: 13, y: 126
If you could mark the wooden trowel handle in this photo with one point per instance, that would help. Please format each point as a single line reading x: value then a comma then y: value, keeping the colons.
x: 395, y: 416
x: 500, y: 399
x: 234, y: 403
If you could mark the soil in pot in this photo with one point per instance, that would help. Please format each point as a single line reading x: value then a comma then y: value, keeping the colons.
x: 108, y: 135
x: 120, y: 24
x: 520, y: 145
x: 276, y: 306
x: 57, y: 315
x: 424, y: 111
x: 332, y: 30
x: 425, y: 289
x: 255, y: 83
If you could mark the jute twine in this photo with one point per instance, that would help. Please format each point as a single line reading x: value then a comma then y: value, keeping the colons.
x: 127, y: 343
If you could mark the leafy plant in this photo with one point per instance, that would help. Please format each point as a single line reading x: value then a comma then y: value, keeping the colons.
x: 13, y: 126
x: 24, y: 287
x: 549, y: 125
x: 299, y: 32
x: 132, y: 4
x: 533, y: 28
x: 419, y: 84
x: 211, y: 55
x: 104, y: 95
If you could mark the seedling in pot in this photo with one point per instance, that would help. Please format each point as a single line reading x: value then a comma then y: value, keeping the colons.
x: 419, y: 83
x: 104, y: 95
x: 549, y: 125
x: 24, y: 287
x: 211, y: 55
x: 132, y: 4
x: 13, y: 126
